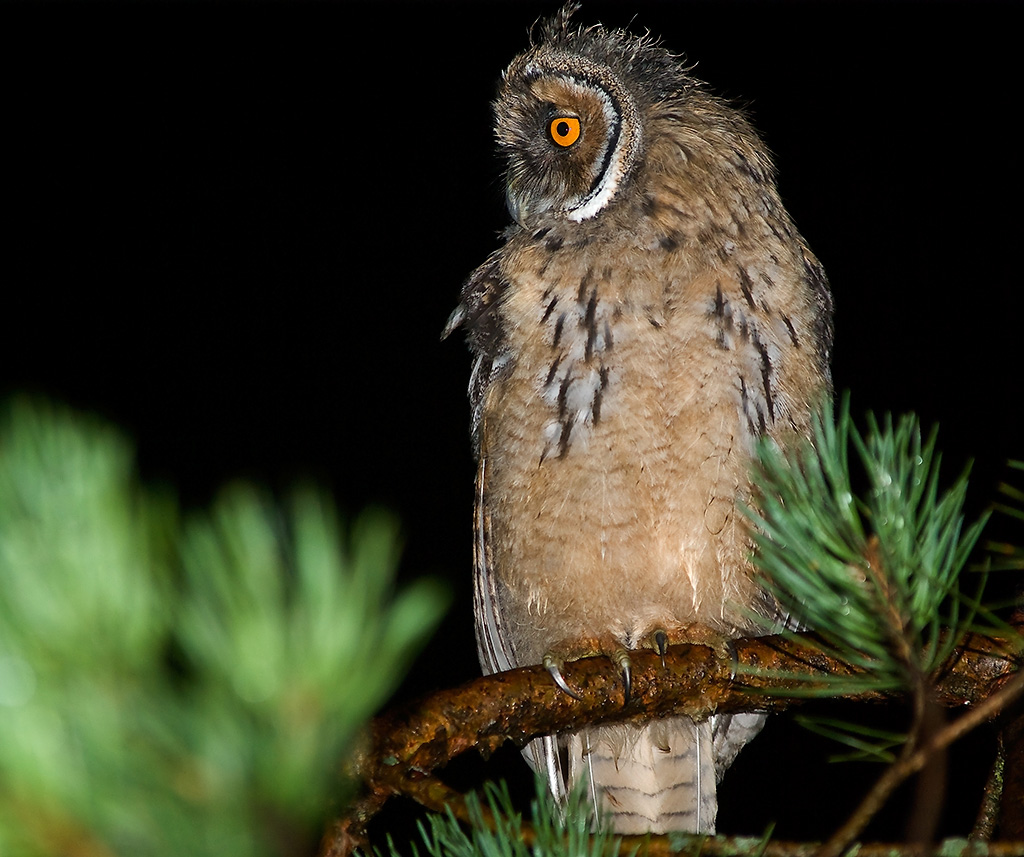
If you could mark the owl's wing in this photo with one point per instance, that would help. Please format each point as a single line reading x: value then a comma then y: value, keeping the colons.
x: 492, y: 643
x: 548, y: 755
x: 730, y: 734
x: 478, y: 314
x: 821, y: 295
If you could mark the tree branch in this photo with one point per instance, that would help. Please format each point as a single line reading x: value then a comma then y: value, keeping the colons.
x: 407, y: 744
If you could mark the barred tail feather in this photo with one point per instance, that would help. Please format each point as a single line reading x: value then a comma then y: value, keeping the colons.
x: 652, y: 778
x: 655, y: 778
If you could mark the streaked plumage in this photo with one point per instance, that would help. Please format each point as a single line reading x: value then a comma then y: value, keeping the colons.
x: 651, y: 313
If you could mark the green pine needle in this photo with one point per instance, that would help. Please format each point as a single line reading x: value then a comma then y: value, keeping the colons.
x: 867, y: 743
x: 1003, y: 556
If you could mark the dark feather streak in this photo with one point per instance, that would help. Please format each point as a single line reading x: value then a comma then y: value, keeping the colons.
x: 590, y: 322
x: 766, y: 375
x: 559, y: 325
x: 747, y: 286
x: 792, y: 331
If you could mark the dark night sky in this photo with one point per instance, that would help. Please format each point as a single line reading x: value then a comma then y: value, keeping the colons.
x: 237, y: 229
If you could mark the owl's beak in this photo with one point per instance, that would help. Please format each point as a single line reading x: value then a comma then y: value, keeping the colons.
x: 512, y: 203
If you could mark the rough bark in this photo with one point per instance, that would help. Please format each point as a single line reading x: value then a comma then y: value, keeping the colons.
x: 404, y: 746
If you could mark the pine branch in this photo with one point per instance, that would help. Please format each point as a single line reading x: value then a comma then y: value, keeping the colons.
x: 408, y: 744
x: 877, y: 576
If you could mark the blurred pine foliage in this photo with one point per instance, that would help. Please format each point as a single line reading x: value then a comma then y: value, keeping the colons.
x: 177, y: 684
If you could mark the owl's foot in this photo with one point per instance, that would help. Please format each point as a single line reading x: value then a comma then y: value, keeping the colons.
x: 704, y: 635
x: 659, y: 641
x: 553, y: 664
x: 620, y: 657
x: 696, y: 634
x: 556, y: 657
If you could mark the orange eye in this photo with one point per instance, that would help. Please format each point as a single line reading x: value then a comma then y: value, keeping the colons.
x: 565, y: 130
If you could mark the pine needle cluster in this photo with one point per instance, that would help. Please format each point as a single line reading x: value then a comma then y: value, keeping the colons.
x: 497, y: 829
x: 177, y: 684
x: 876, y: 572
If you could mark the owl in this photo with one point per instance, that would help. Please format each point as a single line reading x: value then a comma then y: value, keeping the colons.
x: 651, y: 313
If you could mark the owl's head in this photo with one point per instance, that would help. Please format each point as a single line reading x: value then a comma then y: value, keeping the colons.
x: 571, y: 116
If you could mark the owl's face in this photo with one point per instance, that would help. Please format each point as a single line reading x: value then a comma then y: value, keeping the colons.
x: 572, y: 134
x: 573, y: 117
x: 588, y: 118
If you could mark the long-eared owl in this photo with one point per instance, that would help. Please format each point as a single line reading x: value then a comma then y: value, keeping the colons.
x: 652, y: 312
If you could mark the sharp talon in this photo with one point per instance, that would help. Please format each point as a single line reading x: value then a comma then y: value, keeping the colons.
x: 661, y: 642
x: 553, y: 667
x: 734, y: 659
x: 627, y: 674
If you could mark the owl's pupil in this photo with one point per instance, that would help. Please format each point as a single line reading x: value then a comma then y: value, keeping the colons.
x: 563, y: 129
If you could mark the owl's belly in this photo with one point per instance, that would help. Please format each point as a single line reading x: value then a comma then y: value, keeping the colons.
x: 628, y: 522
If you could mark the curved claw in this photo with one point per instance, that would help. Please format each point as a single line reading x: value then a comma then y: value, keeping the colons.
x: 661, y: 644
x: 554, y: 666
x: 626, y: 666
x: 734, y: 659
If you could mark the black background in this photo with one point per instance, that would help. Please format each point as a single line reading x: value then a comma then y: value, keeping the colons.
x: 237, y: 230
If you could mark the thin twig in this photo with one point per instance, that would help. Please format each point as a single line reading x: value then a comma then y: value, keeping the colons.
x: 905, y: 767
x: 988, y: 813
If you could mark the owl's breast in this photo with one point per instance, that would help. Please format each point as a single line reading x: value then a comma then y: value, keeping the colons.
x: 606, y: 346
